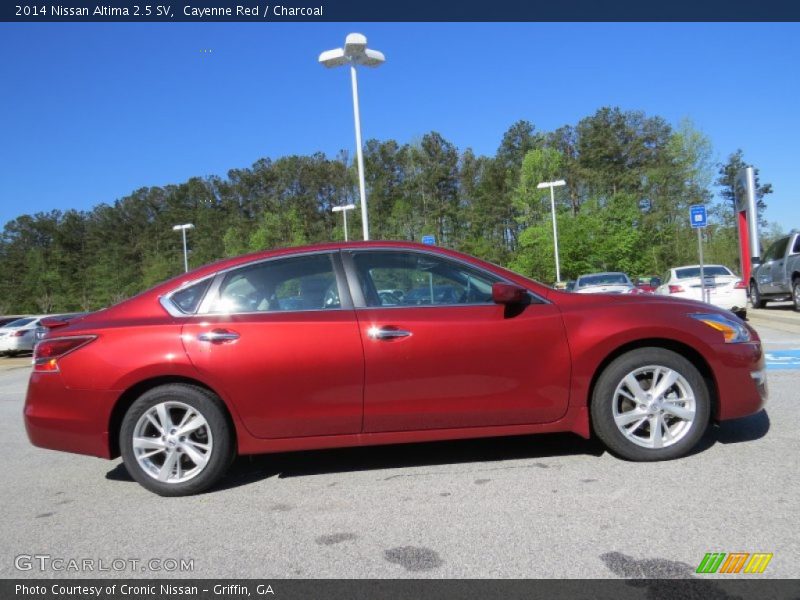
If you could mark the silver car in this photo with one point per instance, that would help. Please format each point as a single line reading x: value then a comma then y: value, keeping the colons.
x: 19, y: 336
x: 603, y: 283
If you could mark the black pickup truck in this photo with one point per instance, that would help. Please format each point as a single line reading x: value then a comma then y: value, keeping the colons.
x: 777, y: 277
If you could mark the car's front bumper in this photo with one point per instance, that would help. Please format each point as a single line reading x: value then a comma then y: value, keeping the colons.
x: 741, y: 379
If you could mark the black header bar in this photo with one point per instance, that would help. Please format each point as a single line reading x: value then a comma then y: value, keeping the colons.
x: 261, y: 11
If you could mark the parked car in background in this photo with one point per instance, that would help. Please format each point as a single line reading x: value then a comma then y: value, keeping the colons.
x: 435, y: 294
x: 647, y: 284
x: 723, y: 288
x: 179, y: 379
x: 603, y: 283
x: 778, y: 275
x: 5, y: 319
x: 19, y: 336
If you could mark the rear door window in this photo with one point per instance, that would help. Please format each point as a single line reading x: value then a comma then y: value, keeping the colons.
x: 290, y: 284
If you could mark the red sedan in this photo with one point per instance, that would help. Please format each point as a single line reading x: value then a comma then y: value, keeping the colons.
x: 378, y: 343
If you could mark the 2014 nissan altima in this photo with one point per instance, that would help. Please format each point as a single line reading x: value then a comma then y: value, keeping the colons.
x: 296, y: 349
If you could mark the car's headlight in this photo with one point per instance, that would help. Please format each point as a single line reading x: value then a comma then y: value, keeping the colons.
x: 733, y: 331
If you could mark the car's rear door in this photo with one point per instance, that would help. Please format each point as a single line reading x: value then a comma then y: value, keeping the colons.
x: 444, y: 355
x: 281, y: 340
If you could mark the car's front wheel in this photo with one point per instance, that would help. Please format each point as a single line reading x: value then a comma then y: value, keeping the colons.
x: 796, y: 293
x: 650, y: 404
x: 175, y: 440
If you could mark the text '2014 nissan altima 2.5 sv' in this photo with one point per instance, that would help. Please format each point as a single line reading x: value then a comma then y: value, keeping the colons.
x: 295, y: 349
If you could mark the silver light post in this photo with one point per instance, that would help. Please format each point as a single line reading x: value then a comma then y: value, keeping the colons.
x: 182, y: 229
x: 551, y: 185
x: 355, y: 52
x: 343, y: 210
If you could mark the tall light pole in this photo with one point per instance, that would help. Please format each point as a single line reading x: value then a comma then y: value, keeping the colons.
x: 551, y: 185
x: 355, y: 52
x: 182, y: 229
x: 343, y: 210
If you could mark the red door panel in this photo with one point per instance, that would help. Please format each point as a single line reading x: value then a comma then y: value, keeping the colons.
x: 288, y: 374
x: 463, y: 366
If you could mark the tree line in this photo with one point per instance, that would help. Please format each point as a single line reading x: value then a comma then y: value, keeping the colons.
x: 630, y: 179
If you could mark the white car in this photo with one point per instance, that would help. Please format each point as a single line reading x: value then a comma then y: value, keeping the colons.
x: 723, y: 288
x: 604, y: 283
x: 19, y: 336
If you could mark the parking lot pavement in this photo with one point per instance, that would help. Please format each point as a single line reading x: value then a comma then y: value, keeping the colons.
x: 17, y: 362
x: 776, y: 315
x: 546, y: 506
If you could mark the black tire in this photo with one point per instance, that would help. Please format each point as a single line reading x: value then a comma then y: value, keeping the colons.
x: 755, y: 296
x: 176, y: 397
x: 606, y: 399
x: 796, y: 293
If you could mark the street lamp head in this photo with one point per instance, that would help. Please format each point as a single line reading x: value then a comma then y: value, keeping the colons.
x: 184, y: 226
x: 547, y: 184
x: 343, y: 208
x: 355, y: 51
x: 333, y: 58
x: 355, y: 43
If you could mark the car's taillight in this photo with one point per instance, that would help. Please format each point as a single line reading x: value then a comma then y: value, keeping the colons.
x: 675, y: 289
x: 740, y: 285
x: 47, y: 352
x: 20, y: 332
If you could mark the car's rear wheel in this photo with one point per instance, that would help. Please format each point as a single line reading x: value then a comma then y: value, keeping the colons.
x: 650, y: 404
x: 755, y: 296
x: 175, y: 440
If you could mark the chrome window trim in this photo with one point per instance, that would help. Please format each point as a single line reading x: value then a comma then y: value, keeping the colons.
x: 535, y: 298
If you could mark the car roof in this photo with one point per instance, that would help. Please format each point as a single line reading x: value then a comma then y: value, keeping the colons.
x: 698, y: 266
x: 603, y: 273
x: 138, y: 303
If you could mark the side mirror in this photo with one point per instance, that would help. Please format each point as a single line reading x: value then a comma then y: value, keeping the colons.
x: 508, y: 293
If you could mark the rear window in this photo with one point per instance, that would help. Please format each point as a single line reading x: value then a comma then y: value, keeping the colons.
x: 603, y: 279
x: 709, y: 271
x: 19, y: 323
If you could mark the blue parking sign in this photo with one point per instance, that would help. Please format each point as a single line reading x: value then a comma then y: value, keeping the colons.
x: 429, y: 240
x: 697, y: 216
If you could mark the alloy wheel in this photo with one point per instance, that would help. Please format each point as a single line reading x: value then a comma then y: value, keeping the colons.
x: 654, y: 406
x: 172, y: 442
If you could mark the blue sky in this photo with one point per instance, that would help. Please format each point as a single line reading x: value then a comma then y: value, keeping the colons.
x: 91, y: 112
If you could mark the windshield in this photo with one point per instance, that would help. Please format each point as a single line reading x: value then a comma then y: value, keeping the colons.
x: 709, y: 271
x: 603, y: 279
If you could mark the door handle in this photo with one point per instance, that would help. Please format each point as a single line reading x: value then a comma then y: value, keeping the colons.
x: 386, y: 333
x: 218, y: 335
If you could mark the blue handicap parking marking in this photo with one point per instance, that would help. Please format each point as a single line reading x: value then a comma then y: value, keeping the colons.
x: 782, y: 360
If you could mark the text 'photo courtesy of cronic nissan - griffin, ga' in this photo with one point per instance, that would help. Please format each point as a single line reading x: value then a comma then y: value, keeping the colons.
x: 367, y: 343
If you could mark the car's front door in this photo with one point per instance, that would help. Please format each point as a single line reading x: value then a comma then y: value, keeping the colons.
x: 440, y: 354
x: 779, y: 281
x: 281, y: 340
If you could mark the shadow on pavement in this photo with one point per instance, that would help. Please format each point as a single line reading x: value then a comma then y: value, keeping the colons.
x: 736, y: 431
x: 250, y: 469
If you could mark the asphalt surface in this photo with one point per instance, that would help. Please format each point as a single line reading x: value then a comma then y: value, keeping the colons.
x: 527, y: 507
